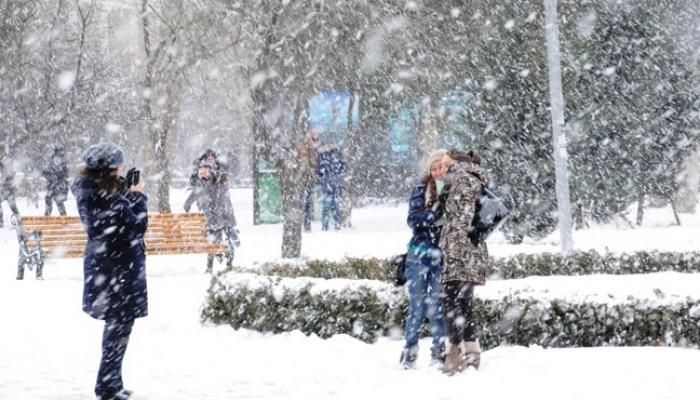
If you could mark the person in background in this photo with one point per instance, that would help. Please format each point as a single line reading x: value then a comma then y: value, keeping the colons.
x: 465, y: 262
x: 234, y: 166
x: 209, y: 156
x: 7, y: 188
x: 307, y: 155
x: 56, y: 175
x: 114, y: 265
x: 214, y: 200
x: 330, y: 169
x: 424, y: 264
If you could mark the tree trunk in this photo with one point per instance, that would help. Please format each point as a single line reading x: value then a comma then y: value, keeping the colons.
x: 687, y: 196
x: 350, y: 157
x: 640, y: 206
x: 675, y: 211
x: 167, y: 145
x: 580, y: 216
x: 291, y: 210
x: 292, y: 171
x: 151, y: 167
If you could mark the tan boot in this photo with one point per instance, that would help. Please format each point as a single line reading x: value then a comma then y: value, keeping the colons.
x: 453, y: 359
x: 471, y: 354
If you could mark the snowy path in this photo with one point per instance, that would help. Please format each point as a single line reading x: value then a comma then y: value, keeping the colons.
x: 49, y: 350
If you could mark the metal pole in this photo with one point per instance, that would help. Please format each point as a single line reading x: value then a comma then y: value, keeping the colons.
x: 558, y: 135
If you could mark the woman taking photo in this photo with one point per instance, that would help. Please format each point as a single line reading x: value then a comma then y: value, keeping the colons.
x: 465, y: 261
x: 114, y: 282
x: 424, y: 264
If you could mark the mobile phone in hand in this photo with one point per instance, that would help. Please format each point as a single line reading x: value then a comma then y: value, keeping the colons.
x: 133, y: 177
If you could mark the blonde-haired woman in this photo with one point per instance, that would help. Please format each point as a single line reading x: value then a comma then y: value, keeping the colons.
x: 424, y: 264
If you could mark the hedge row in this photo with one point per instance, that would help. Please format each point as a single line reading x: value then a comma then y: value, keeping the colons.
x: 519, y: 266
x: 369, y: 309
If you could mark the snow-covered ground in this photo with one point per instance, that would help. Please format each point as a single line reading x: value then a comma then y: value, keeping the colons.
x: 49, y: 349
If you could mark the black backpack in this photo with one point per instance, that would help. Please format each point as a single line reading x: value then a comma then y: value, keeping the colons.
x: 398, y: 266
x: 490, y: 213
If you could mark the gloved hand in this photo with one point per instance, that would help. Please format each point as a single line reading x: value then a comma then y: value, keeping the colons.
x: 442, y: 197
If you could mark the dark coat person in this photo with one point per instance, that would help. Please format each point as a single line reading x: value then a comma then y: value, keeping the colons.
x: 56, y: 175
x: 213, y: 199
x: 114, y: 283
x: 330, y: 170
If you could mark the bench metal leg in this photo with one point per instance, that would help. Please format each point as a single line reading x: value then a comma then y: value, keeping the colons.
x: 20, y: 270
x: 210, y: 264
x: 39, y: 270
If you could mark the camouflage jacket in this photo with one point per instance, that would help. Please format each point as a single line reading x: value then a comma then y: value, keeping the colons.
x: 463, y: 260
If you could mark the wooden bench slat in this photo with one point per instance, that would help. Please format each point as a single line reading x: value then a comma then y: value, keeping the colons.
x: 152, y: 220
x: 82, y: 243
x: 150, y: 252
x: 149, y: 236
x: 55, y: 232
x: 79, y: 226
x: 182, y: 247
x: 166, y: 234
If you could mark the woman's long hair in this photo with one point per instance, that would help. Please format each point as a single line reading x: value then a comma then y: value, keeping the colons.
x: 432, y: 190
x: 106, y: 180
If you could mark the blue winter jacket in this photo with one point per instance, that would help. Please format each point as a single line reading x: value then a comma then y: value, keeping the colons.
x: 114, y: 265
x: 426, y: 235
x: 330, y: 170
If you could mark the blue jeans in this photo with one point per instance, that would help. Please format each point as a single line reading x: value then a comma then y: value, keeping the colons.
x: 331, y: 205
x: 307, y: 200
x: 423, y: 273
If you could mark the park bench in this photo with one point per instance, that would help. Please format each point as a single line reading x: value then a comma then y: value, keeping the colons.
x: 64, y: 237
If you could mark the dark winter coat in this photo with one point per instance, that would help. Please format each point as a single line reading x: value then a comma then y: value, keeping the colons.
x: 214, y: 200
x: 7, y: 187
x: 464, y: 261
x: 330, y: 169
x: 56, y: 175
x: 426, y: 234
x: 114, y: 264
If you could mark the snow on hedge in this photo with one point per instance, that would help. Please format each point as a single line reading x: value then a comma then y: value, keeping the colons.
x: 658, y: 308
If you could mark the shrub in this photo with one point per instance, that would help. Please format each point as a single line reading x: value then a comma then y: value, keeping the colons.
x: 518, y: 266
x: 368, y: 309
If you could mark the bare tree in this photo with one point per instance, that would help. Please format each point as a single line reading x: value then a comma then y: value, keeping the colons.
x: 176, y: 37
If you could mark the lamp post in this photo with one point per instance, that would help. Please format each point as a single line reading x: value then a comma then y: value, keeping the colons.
x: 558, y: 135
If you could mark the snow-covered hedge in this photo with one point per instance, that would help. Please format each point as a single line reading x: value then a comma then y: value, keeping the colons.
x: 367, y: 309
x: 361, y: 308
x: 592, y: 262
x: 518, y: 266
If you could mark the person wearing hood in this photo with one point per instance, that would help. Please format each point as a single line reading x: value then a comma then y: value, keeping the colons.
x: 56, y: 175
x: 114, y: 265
x: 214, y: 200
x: 424, y: 264
x: 465, y: 263
x: 211, y: 158
x: 7, y: 188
